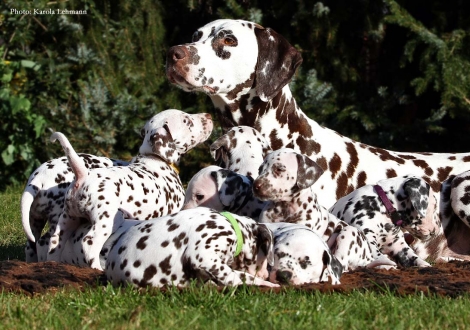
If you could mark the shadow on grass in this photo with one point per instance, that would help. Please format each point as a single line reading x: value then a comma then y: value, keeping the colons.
x: 12, y: 252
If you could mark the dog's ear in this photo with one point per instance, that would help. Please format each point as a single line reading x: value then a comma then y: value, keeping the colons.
x: 219, y: 151
x: 308, y: 171
x: 277, y: 62
x: 265, y: 243
x: 164, y: 146
x: 231, y: 187
x: 334, y: 267
x: 417, y: 192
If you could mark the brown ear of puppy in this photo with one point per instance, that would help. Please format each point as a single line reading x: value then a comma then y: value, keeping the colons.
x: 277, y: 62
x: 308, y: 171
x: 265, y: 242
x: 164, y: 145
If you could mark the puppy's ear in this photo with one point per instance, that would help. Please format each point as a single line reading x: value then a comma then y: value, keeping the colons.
x: 417, y: 192
x: 163, y: 145
x: 277, y: 63
x: 334, y: 267
x: 231, y: 188
x: 265, y: 243
x: 308, y: 171
x: 219, y: 151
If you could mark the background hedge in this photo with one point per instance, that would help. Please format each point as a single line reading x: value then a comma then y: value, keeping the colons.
x: 394, y: 74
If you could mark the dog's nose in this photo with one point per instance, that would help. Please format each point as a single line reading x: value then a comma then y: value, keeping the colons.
x: 257, y: 185
x: 177, y: 53
x: 283, y: 276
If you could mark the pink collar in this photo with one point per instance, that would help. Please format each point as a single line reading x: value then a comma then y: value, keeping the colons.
x: 392, y: 212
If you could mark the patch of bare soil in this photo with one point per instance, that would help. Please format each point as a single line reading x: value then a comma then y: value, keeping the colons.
x: 448, y: 279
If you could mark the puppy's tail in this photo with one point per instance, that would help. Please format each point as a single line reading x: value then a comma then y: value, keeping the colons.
x: 75, y: 161
x: 27, y: 200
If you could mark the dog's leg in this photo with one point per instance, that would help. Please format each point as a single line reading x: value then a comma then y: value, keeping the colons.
x: 95, y: 238
x: 62, y: 232
x: 237, y: 277
x: 401, y: 251
x: 351, y: 248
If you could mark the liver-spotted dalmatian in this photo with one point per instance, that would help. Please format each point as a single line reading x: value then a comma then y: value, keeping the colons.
x: 285, y: 180
x: 245, y: 69
x: 149, y: 187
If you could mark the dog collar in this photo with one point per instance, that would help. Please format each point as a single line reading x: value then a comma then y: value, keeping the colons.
x: 175, y: 168
x: 392, y: 212
x: 238, y: 231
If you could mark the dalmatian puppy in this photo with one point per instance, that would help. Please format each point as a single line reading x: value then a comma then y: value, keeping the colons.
x: 197, y: 244
x: 245, y: 69
x: 285, y: 179
x: 43, y: 198
x: 414, y: 201
x: 301, y: 256
x: 242, y: 150
x: 148, y: 187
x: 223, y: 190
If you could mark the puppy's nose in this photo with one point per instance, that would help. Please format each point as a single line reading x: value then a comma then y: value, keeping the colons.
x: 257, y: 185
x: 283, y: 276
x: 177, y: 53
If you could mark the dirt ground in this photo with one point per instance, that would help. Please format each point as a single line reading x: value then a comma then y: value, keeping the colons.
x: 451, y: 279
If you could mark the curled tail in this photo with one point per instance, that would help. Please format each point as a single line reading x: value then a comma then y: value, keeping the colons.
x: 75, y: 161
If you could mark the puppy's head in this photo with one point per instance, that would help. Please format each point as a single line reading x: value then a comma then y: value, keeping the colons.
x: 301, y: 257
x: 171, y: 133
x: 283, y: 173
x: 217, y: 188
x: 242, y: 149
x: 419, y: 208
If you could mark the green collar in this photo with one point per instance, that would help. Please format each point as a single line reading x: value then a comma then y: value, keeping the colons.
x: 238, y: 231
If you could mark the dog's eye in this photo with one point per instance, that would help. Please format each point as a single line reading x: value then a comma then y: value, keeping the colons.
x: 199, y: 197
x: 196, y: 36
x: 230, y: 41
x: 142, y: 133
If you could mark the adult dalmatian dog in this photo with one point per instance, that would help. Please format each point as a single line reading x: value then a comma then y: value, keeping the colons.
x: 149, y: 187
x: 43, y: 198
x: 245, y: 69
x: 197, y: 244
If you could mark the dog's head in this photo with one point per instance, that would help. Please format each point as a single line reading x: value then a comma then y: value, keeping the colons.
x: 283, y: 173
x: 217, y: 188
x: 231, y: 57
x: 242, y: 150
x: 417, y: 205
x: 171, y: 133
x: 301, y: 256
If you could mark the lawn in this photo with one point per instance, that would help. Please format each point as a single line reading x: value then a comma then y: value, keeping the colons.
x: 207, y: 307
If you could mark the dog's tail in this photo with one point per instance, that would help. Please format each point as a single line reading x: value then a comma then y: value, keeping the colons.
x: 75, y: 161
x: 27, y: 200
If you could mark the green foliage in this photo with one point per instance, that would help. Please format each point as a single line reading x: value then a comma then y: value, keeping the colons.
x: 390, y: 73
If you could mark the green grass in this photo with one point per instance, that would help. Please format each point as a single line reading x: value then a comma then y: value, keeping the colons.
x: 207, y: 308
x: 12, y: 237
